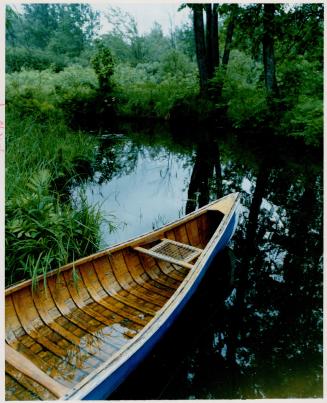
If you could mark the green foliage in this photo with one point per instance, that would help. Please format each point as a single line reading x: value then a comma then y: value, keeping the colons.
x: 18, y: 58
x: 32, y: 145
x: 301, y: 91
x: 42, y: 233
x: 175, y: 61
x: 46, y: 94
x: 151, y: 95
x: 244, y: 98
x: 103, y: 65
x: 63, y: 29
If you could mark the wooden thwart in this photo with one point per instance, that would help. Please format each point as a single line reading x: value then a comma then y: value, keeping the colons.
x: 173, y: 252
x: 25, y: 366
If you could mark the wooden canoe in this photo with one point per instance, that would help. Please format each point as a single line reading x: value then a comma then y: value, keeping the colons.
x: 88, y: 324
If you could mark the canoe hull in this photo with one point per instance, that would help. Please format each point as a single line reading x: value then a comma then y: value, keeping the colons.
x: 90, y: 323
x: 110, y: 384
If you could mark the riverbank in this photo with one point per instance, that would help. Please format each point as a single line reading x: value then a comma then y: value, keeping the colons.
x: 44, y: 228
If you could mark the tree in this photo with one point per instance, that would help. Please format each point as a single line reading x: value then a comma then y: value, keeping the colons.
x: 200, y: 47
x: 268, y: 51
x: 207, y: 42
x: 61, y: 28
x: 125, y: 26
x: 103, y: 66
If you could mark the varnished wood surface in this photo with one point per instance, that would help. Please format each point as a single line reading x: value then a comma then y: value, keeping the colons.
x: 58, y: 336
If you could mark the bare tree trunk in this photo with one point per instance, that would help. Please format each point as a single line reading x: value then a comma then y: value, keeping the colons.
x: 209, y: 38
x: 228, y: 41
x: 215, y: 37
x: 227, y: 49
x: 268, y: 50
x: 200, y: 47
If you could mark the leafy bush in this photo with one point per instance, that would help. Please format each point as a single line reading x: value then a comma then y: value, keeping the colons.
x: 32, y: 59
x: 301, y: 88
x: 103, y: 65
x: 46, y: 94
x: 299, y: 110
x: 151, y: 95
x: 245, y: 99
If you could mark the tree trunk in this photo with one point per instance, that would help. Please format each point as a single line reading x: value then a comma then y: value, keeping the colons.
x: 268, y: 50
x: 200, y: 47
x: 228, y: 41
x: 215, y: 37
x: 209, y: 39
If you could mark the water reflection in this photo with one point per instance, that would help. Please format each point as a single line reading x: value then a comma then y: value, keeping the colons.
x: 254, y: 328
x: 206, y: 177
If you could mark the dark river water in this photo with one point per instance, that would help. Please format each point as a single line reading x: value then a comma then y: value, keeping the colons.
x: 254, y: 327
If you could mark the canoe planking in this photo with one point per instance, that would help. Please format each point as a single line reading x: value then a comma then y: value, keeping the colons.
x: 79, y: 334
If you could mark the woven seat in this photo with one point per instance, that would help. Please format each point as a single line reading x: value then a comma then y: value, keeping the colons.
x: 173, y: 252
x: 176, y: 250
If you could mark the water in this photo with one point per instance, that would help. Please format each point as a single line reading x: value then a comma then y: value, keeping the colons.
x: 254, y: 328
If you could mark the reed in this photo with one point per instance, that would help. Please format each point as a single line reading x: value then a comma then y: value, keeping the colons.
x: 43, y: 232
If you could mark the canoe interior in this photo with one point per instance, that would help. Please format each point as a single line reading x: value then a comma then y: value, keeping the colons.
x: 59, y: 334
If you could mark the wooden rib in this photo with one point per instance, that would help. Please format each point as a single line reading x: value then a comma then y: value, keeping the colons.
x: 46, y: 305
x: 114, y: 291
x: 151, y: 267
x: 140, y: 275
x: 130, y: 283
x: 170, y: 235
x: 163, y: 257
x: 31, y: 370
x: 13, y: 327
x: 78, y: 293
x: 16, y: 392
x: 181, y: 234
x: 154, y: 293
x: 203, y: 226
x: 100, y: 297
x: 52, y: 350
x: 32, y: 351
x: 193, y: 233
x: 126, y: 286
x: 29, y: 318
x: 82, y: 299
x: 169, y: 270
x: 60, y: 296
x: 27, y: 384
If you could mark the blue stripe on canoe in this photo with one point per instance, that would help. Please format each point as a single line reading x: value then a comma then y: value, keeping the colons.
x: 108, y: 385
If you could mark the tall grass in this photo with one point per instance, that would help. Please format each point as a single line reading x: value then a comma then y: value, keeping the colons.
x: 42, y: 231
x: 32, y: 146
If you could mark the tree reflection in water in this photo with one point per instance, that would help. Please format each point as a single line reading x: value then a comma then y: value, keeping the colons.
x: 254, y: 328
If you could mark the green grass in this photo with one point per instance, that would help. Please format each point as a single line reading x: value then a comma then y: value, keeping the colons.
x: 42, y: 231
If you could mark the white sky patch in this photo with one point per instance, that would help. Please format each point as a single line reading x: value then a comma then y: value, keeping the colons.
x: 145, y: 14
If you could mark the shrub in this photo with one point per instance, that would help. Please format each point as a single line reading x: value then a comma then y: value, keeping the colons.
x: 32, y: 59
x: 47, y: 95
x: 151, y: 95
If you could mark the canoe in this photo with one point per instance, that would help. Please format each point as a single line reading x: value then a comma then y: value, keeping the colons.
x: 84, y: 327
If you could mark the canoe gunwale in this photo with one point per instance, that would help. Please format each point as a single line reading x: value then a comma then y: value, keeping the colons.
x: 106, y: 369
